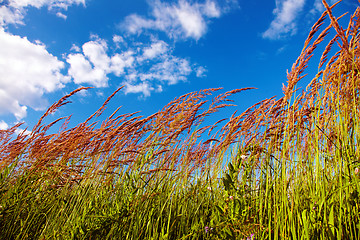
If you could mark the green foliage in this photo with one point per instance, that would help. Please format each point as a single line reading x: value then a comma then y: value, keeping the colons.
x: 292, y: 166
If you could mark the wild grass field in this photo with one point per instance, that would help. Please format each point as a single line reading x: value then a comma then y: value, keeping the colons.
x: 285, y: 168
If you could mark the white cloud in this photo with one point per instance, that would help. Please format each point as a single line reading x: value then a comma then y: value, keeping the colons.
x: 3, y: 125
x: 82, y: 71
x: 143, y: 67
x: 191, y: 20
x: 118, y: 39
x: 10, y: 16
x: 156, y: 49
x: 21, y: 130
x: 181, y: 20
x: 90, y: 66
x: 27, y: 71
x: 285, y: 13
x: 9, y: 104
x: 95, y: 51
x: 160, y: 68
x: 14, y: 11
x: 61, y: 15
x: 143, y: 88
x: 211, y: 9
x: 75, y: 48
x: 121, y: 61
x: 319, y: 7
x: 93, y: 64
x: 171, y: 70
x: 134, y: 23
x: 155, y: 66
x: 63, y: 4
x: 200, y: 72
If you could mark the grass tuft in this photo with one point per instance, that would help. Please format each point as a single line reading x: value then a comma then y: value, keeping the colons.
x: 285, y: 168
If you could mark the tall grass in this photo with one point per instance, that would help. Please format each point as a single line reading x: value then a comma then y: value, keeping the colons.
x: 285, y: 168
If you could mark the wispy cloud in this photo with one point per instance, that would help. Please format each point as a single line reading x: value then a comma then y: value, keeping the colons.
x: 178, y: 20
x: 319, y: 7
x: 200, y: 72
x: 64, y: 4
x: 61, y: 15
x: 155, y: 65
x: 284, y: 24
x: 29, y: 71
x: 144, y: 67
x: 171, y: 70
x: 156, y: 49
x: 14, y: 11
x: 143, y: 88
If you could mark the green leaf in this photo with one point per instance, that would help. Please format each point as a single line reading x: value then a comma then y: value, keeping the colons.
x: 231, y: 168
x: 219, y: 209
x: 305, y: 224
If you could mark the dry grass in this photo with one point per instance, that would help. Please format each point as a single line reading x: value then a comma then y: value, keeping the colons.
x: 301, y: 152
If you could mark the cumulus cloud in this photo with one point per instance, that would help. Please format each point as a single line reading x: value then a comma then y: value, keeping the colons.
x: 143, y: 67
x: 93, y: 64
x: 10, y: 104
x: 121, y: 61
x: 10, y: 15
x: 286, y: 12
x: 83, y: 72
x: 165, y: 69
x: 156, y: 49
x: 181, y: 20
x: 156, y: 66
x: 27, y: 71
x: 14, y: 11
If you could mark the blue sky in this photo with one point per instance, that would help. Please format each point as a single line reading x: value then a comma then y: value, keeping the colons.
x: 156, y: 49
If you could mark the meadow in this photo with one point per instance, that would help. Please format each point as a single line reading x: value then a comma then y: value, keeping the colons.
x: 285, y: 168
